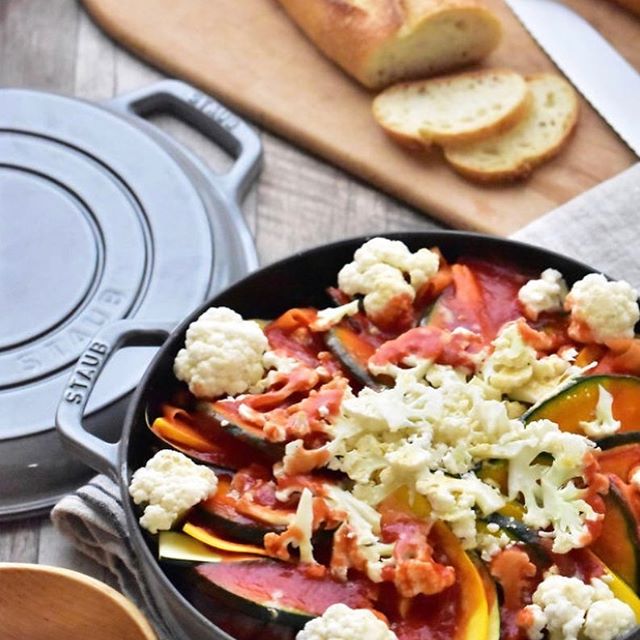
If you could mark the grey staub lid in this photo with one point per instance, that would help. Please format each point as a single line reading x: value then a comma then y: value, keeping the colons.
x: 102, y: 217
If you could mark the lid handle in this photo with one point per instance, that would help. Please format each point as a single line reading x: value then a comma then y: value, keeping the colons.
x: 209, y: 117
x: 93, y: 451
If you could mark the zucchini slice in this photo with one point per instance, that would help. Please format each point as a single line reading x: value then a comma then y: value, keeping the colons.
x: 211, y: 538
x: 353, y: 351
x: 277, y: 591
x: 618, y: 546
x: 577, y: 403
x: 183, y: 549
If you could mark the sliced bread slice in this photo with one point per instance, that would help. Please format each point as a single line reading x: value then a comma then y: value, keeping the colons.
x: 452, y: 109
x: 539, y: 136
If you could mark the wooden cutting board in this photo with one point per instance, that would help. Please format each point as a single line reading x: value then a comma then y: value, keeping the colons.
x: 250, y: 56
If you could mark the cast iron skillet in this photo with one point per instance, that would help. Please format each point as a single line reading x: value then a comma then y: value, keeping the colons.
x: 300, y: 280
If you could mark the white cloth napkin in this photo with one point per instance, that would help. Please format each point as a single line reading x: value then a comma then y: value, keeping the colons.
x: 600, y: 227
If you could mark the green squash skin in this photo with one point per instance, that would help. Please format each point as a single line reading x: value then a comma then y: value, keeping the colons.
x: 617, y: 440
x: 616, y: 500
x: 537, y: 411
x: 250, y: 533
x: 267, y: 612
x: 519, y: 532
x: 272, y: 450
x: 359, y: 373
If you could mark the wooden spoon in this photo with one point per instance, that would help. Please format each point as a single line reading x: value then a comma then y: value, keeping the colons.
x: 38, y: 602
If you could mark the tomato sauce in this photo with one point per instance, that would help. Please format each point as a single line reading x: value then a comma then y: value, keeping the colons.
x: 434, y: 617
x: 201, y: 437
x: 291, y: 334
x: 271, y: 583
x: 482, y: 297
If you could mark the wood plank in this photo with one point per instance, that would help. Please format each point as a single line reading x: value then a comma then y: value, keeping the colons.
x: 95, y: 69
x: 317, y: 203
x: 19, y: 540
x: 251, y: 56
x: 39, y: 44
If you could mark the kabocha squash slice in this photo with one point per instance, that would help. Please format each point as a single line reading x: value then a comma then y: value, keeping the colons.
x: 219, y: 511
x: 353, y: 352
x: 234, y: 424
x: 278, y: 592
x: 620, y: 461
x: 474, y: 622
x: 460, y: 612
x: 200, y: 437
x: 491, y: 593
x: 577, y: 403
x: 618, y: 546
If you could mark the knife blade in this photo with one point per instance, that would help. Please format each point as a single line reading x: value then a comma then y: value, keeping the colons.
x: 591, y: 64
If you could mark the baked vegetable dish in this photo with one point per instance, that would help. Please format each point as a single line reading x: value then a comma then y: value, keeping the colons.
x: 450, y: 450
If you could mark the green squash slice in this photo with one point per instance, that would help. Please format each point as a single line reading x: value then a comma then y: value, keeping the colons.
x: 277, y: 591
x: 618, y: 546
x: 577, y: 403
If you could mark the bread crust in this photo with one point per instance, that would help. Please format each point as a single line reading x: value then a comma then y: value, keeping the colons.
x: 526, y: 166
x: 353, y: 33
x: 426, y: 139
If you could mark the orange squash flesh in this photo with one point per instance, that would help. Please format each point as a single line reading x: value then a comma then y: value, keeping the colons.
x: 461, y: 611
x: 273, y: 589
x: 201, y: 437
x: 578, y: 403
x: 353, y: 350
x: 620, y: 461
x: 618, y: 546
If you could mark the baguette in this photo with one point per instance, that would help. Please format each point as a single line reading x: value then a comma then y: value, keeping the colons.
x: 452, y: 109
x: 539, y: 136
x: 380, y: 42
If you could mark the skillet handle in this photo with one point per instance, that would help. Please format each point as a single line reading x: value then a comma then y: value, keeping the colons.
x: 209, y: 117
x: 93, y: 451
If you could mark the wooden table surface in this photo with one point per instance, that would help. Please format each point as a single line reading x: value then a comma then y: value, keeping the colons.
x: 298, y: 201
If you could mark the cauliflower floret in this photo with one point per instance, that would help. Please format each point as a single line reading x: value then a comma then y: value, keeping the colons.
x: 568, y: 608
x: 634, y: 479
x: 513, y: 368
x: 550, y: 495
x: 511, y: 364
x: 608, y: 619
x: 545, y: 294
x: 455, y: 500
x: 331, y: 316
x: 340, y: 622
x: 170, y: 484
x: 604, y: 423
x: 380, y: 271
x: 608, y: 309
x: 364, y: 523
x: 492, y: 542
x: 222, y: 355
x: 275, y: 364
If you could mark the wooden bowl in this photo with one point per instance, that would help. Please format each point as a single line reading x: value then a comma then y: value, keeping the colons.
x: 38, y: 602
